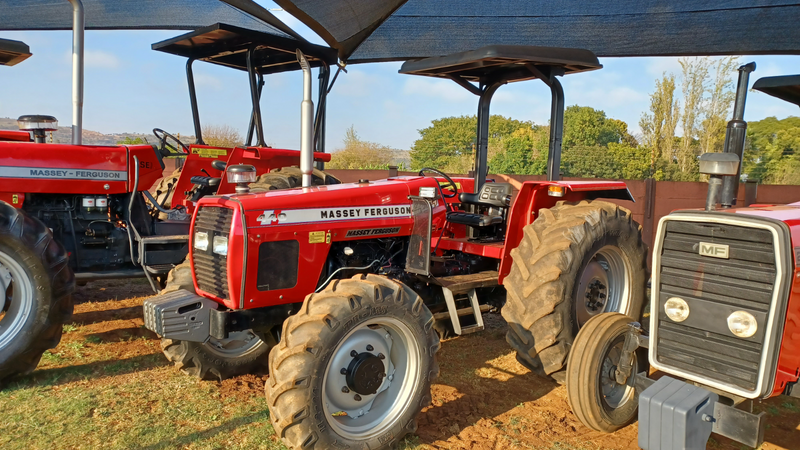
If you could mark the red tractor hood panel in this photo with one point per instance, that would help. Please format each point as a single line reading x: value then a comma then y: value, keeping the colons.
x: 74, y: 169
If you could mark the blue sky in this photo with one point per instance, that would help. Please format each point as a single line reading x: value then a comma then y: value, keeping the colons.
x: 130, y: 88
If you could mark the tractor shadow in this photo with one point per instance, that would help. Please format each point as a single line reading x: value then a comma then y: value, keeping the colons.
x: 479, y: 380
x: 200, y: 436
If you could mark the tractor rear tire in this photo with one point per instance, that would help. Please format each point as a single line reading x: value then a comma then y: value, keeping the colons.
x: 37, y: 291
x: 290, y: 177
x: 576, y: 260
x: 592, y: 391
x: 216, y: 359
x: 164, y: 189
x: 354, y: 366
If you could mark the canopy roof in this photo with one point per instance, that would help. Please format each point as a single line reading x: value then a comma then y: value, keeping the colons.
x: 785, y: 87
x: 227, y: 45
x: 509, y: 62
x: 140, y: 15
x: 383, y: 30
x: 13, y: 52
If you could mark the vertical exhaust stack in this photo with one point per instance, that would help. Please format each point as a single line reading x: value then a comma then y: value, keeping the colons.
x: 735, y: 136
x: 77, y: 71
x: 306, y: 123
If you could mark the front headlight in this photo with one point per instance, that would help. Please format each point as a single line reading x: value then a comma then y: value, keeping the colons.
x: 201, y: 240
x: 221, y: 245
x: 677, y: 309
x: 742, y: 324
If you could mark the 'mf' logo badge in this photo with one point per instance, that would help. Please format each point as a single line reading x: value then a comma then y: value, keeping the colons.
x: 714, y: 250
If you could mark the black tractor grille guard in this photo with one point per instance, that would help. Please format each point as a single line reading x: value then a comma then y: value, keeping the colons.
x: 754, y: 278
x: 211, y: 269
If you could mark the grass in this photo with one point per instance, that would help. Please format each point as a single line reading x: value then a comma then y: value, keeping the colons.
x: 175, y: 411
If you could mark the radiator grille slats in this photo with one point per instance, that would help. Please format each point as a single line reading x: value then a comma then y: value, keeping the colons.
x: 211, y: 269
x: 745, y: 280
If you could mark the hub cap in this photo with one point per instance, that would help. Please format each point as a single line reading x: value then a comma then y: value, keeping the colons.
x: 16, y: 300
x: 614, y: 394
x: 371, y: 378
x: 604, y: 285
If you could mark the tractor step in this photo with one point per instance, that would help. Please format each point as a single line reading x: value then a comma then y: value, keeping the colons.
x: 461, y: 312
x: 464, y: 283
x: 160, y: 269
x: 454, y: 316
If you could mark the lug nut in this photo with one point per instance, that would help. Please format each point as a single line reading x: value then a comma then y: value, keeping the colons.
x: 345, y: 389
x: 353, y: 353
x: 370, y: 348
x: 343, y: 371
x: 357, y: 398
x: 380, y: 355
x: 382, y: 375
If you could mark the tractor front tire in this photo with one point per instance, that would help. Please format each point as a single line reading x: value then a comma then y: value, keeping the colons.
x: 37, y: 288
x: 354, y: 366
x: 576, y: 260
x: 215, y: 359
x: 593, y: 393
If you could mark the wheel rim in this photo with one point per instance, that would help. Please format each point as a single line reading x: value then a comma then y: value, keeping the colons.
x: 359, y: 416
x: 615, y: 395
x: 17, y: 299
x: 238, y: 343
x: 604, y: 285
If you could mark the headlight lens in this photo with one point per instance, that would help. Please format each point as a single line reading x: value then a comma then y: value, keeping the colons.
x: 742, y: 324
x: 201, y: 240
x: 221, y: 245
x: 677, y: 309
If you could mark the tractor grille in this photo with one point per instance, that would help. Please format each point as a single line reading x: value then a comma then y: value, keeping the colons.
x: 211, y: 269
x: 714, y: 287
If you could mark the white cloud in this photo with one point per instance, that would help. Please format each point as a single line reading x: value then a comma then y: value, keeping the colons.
x: 96, y: 59
x: 208, y: 81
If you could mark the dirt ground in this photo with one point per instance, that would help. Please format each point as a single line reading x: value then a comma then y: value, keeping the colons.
x: 484, y: 399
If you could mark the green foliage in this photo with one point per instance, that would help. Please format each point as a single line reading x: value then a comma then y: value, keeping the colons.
x: 132, y: 141
x: 364, y: 155
x: 524, y: 152
x: 615, y: 161
x: 586, y: 126
x: 448, y: 143
x: 772, y: 152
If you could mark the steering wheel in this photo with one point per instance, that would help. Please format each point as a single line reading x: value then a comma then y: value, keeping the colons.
x: 453, y: 187
x: 166, y: 148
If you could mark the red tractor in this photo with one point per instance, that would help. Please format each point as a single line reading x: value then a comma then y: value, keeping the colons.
x: 723, y: 316
x: 348, y: 284
x: 91, y: 203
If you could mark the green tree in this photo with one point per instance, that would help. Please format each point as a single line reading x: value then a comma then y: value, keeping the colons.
x: 717, y: 106
x: 524, y: 152
x: 772, y: 152
x: 448, y: 144
x: 586, y: 126
x: 658, y: 126
x: 360, y: 154
x: 693, y: 87
x: 132, y: 141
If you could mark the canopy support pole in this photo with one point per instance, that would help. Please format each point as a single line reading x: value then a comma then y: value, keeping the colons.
x: 482, y: 150
x: 198, y: 132
x: 77, y: 71
x: 251, y: 128
x: 556, y: 130
x: 256, y: 98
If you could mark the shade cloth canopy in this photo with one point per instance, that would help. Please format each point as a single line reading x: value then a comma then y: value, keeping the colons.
x: 140, y: 15
x: 385, y: 30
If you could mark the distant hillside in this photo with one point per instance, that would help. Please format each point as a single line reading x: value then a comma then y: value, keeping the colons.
x: 64, y: 135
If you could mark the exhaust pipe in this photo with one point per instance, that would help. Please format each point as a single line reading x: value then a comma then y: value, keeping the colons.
x: 735, y: 136
x: 306, y: 123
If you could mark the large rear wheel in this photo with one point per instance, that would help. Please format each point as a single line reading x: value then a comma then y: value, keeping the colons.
x: 354, y: 366
x: 36, y: 284
x: 594, y: 395
x: 242, y: 352
x: 575, y: 261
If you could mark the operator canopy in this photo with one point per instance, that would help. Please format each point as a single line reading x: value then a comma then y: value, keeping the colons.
x: 227, y: 45
x: 785, y: 87
x: 140, y: 15
x: 386, y: 30
x: 13, y: 52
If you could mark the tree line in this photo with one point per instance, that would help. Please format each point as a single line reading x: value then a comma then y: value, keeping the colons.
x: 687, y: 116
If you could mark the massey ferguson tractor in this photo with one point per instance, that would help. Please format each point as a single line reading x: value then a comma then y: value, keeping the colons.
x: 87, y: 210
x: 344, y: 285
x: 723, y: 316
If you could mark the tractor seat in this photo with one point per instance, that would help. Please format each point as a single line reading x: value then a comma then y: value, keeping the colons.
x: 205, y: 181
x: 491, y: 194
x: 473, y: 220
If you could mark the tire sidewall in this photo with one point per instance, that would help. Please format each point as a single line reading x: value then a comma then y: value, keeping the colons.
x: 333, y: 338
x: 41, y: 301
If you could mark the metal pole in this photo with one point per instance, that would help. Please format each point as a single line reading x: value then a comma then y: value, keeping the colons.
x: 256, y: 98
x: 556, y: 130
x: 735, y: 136
x: 481, y: 156
x: 252, y: 126
x: 77, y: 71
x: 306, y: 124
